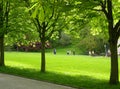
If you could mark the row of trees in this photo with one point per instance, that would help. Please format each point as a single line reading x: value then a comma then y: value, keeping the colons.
x: 31, y: 20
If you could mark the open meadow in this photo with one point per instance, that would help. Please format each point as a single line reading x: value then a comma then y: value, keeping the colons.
x: 78, y: 71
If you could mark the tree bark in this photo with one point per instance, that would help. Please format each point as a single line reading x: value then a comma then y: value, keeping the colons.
x: 114, y: 76
x: 43, y: 39
x: 2, y: 51
x: 1, y: 35
x: 43, y: 56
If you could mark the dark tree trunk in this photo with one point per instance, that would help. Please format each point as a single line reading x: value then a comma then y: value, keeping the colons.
x: 114, y: 77
x: 107, y: 9
x: 1, y: 35
x: 43, y: 56
x: 43, y: 39
x: 2, y: 51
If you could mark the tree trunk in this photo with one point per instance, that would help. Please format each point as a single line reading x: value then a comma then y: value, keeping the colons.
x: 107, y: 9
x: 43, y: 39
x: 114, y: 77
x: 43, y: 56
x: 2, y: 51
x: 1, y: 35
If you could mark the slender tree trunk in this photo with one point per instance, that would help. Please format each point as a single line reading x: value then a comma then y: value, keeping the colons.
x: 43, y: 57
x: 43, y: 39
x: 2, y: 51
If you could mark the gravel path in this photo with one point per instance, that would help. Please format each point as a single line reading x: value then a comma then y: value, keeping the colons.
x: 14, y: 82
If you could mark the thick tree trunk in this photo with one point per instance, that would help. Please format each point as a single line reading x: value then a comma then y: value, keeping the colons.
x: 114, y: 76
x: 107, y: 9
x: 2, y: 51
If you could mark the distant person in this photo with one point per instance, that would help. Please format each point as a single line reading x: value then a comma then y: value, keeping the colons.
x: 73, y: 52
x: 54, y: 51
x: 109, y: 53
x: 93, y: 53
x: 70, y: 52
x: 90, y: 53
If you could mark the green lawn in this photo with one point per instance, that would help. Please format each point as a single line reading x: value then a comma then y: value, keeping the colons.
x: 72, y: 70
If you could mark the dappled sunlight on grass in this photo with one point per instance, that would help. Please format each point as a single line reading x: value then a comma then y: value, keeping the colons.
x: 17, y: 64
x: 76, y: 71
x: 78, y: 81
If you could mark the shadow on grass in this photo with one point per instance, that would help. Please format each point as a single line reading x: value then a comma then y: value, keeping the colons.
x: 80, y: 82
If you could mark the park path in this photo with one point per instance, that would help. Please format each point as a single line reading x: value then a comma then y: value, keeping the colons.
x: 15, y: 82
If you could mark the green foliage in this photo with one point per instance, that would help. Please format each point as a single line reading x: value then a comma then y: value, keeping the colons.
x: 1, y: 18
x: 89, y: 42
x: 20, y: 29
x: 65, y: 40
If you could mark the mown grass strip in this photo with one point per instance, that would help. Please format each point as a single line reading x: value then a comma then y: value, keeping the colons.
x: 76, y: 71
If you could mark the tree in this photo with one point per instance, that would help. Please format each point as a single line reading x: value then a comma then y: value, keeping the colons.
x: 1, y: 34
x: 45, y: 15
x: 89, y: 41
x: 114, y: 33
x: 112, y: 16
x: 110, y: 8
x: 10, y: 25
x: 4, y: 11
x: 21, y: 29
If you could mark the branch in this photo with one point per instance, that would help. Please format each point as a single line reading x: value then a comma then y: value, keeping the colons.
x: 50, y: 34
x: 65, y: 24
x: 53, y: 29
x: 52, y: 11
x: 103, y: 6
x: 35, y: 21
x: 7, y: 8
x: 39, y: 27
x: 53, y: 22
x: 96, y: 9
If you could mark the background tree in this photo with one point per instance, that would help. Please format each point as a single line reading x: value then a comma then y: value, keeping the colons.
x: 90, y: 42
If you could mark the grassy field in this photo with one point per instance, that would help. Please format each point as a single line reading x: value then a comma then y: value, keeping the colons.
x: 72, y: 70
